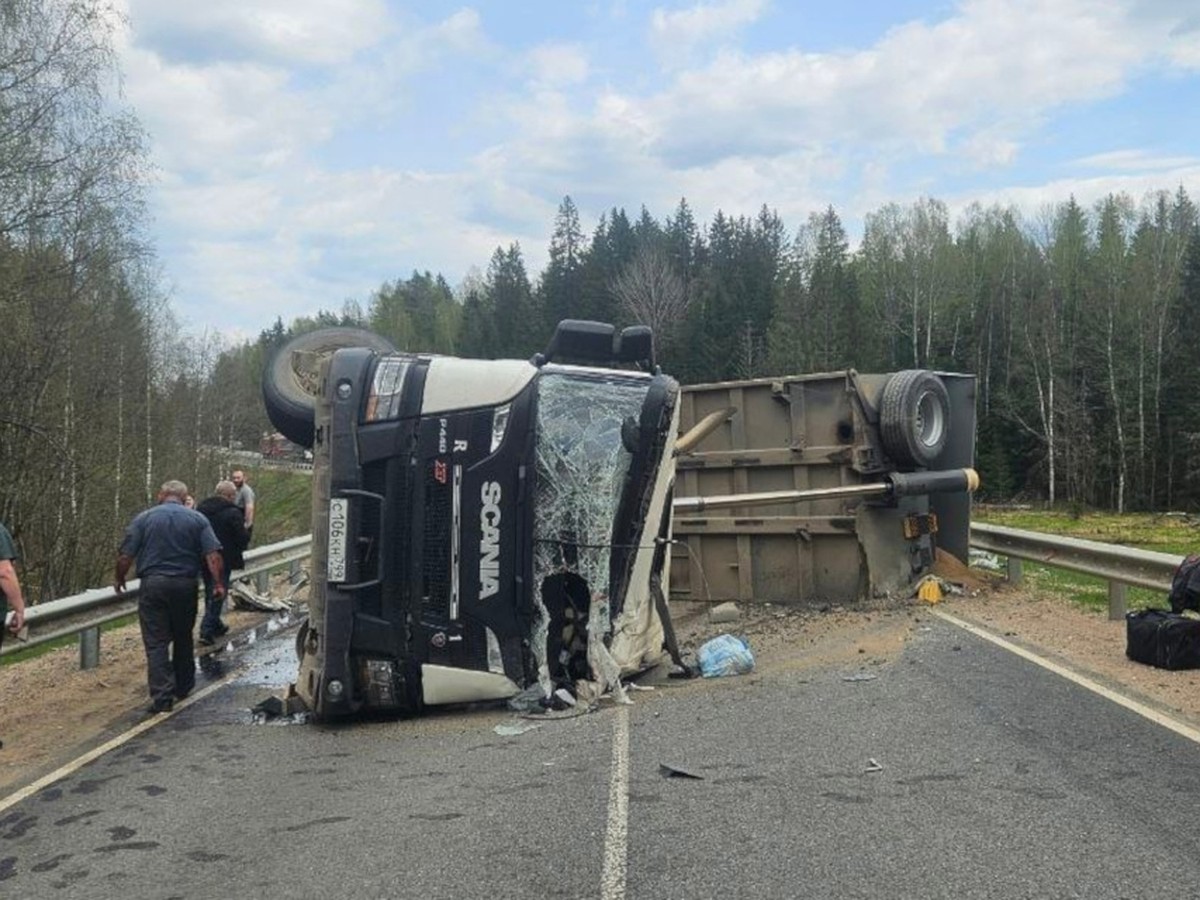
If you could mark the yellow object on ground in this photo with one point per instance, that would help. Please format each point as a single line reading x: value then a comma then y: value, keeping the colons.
x: 929, y: 590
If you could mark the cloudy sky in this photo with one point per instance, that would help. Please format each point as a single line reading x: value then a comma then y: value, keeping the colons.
x: 308, y: 150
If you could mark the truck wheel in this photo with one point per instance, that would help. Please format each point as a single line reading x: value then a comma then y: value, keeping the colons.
x: 289, y: 382
x: 914, y: 417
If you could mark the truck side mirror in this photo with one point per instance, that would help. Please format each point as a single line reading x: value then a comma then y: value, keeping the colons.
x: 636, y: 345
x: 578, y: 339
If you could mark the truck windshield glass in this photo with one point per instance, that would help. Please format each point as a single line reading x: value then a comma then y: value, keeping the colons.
x: 581, y: 467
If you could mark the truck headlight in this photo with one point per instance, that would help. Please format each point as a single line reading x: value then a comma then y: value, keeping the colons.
x: 499, y: 426
x: 383, y: 399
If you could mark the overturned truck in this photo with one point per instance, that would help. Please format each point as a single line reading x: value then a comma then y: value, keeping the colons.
x: 488, y: 528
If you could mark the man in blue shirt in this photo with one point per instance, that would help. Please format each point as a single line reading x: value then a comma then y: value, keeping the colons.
x: 170, y: 543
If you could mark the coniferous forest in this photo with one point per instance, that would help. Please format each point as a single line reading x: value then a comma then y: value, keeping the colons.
x: 1082, y: 323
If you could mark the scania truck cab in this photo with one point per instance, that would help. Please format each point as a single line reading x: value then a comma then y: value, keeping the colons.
x: 481, y: 528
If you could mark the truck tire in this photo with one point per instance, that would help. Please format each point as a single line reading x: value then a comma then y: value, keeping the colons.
x: 914, y: 417
x: 289, y: 382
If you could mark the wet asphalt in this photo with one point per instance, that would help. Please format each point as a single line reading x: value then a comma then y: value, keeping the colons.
x: 958, y: 770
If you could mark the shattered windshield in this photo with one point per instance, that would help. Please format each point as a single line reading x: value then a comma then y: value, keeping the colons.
x: 581, y: 468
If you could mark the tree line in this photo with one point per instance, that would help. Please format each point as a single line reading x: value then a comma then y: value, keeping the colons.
x: 1080, y: 322
x: 94, y: 366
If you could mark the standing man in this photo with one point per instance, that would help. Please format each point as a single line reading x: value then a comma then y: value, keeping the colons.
x: 229, y: 527
x: 244, y: 498
x: 170, y: 543
x: 10, y: 587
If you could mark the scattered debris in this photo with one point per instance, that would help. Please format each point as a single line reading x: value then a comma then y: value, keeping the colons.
x: 981, y: 559
x: 933, y: 588
x: 683, y: 672
x: 530, y: 700
x: 929, y: 590
x: 860, y: 676
x: 873, y: 766
x: 564, y: 696
x: 274, y: 706
x: 724, y: 612
x: 667, y: 771
x: 245, y: 597
x: 725, y: 655
x: 514, y: 729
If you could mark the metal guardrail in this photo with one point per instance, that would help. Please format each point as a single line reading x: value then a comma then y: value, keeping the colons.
x: 1120, y: 566
x: 84, y: 613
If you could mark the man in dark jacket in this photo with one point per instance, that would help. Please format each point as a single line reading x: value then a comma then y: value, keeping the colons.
x: 229, y: 525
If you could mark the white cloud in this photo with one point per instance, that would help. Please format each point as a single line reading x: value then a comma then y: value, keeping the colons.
x: 676, y: 35
x: 558, y: 64
x: 702, y: 22
x: 1137, y: 160
x: 919, y: 89
x: 989, y: 148
x: 1033, y: 199
x: 298, y: 31
x: 226, y: 118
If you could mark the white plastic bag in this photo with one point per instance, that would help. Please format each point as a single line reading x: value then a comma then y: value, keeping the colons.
x: 725, y: 655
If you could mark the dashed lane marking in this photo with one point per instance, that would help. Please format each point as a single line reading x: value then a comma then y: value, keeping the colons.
x: 612, y: 879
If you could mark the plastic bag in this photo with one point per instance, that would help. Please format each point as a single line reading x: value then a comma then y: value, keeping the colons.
x: 725, y: 655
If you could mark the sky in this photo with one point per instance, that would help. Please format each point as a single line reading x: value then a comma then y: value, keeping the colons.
x: 307, y: 151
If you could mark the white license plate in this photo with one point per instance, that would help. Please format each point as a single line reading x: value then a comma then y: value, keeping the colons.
x: 335, y: 565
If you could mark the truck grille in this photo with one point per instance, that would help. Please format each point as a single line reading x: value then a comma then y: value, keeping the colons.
x: 436, y: 562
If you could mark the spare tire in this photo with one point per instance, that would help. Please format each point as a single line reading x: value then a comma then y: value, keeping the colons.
x: 914, y: 417
x: 290, y: 379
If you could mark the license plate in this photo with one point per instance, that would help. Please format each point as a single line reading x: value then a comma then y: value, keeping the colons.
x: 335, y: 565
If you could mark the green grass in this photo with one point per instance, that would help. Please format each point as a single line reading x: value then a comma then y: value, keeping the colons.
x: 282, y: 504
x: 1176, y: 535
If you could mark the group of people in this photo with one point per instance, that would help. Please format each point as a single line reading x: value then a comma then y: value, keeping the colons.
x: 172, y: 545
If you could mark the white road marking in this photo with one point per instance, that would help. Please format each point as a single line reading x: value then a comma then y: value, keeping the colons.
x: 1141, y: 709
x: 612, y: 880
x: 96, y: 752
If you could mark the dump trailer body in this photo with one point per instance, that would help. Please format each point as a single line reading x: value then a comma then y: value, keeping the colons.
x: 827, y: 430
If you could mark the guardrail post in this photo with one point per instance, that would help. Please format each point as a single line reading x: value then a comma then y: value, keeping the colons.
x: 1015, y: 572
x: 294, y: 571
x: 89, y: 648
x: 262, y: 582
x: 1116, y: 600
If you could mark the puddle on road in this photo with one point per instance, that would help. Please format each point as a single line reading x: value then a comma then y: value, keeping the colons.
x: 265, y: 658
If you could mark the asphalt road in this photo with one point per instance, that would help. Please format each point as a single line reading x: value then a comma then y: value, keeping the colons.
x: 959, y: 771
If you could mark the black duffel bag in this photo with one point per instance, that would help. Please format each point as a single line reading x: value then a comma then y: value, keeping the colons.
x: 1159, y: 637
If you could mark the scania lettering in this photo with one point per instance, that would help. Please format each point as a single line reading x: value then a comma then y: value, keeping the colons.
x: 489, y: 542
